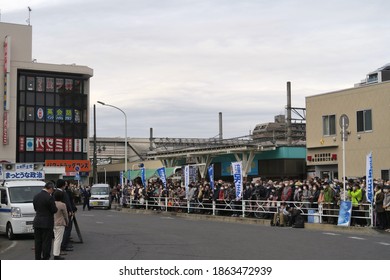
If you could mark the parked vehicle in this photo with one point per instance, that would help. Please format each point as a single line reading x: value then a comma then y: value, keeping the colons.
x: 16, y: 206
x: 100, y: 196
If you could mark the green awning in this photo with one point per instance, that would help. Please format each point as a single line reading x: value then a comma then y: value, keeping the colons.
x: 150, y: 173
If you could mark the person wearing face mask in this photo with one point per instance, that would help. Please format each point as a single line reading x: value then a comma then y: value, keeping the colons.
x: 306, y: 194
x: 356, y: 198
x: 379, y: 210
x: 386, y: 205
x: 315, y: 196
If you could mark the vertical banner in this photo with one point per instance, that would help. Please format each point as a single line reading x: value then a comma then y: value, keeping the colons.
x: 143, y: 176
x: 186, y: 177
x: 369, y: 178
x: 121, y: 178
x: 211, y: 175
x: 128, y: 176
x: 237, y: 176
x: 345, y: 213
x: 161, y: 173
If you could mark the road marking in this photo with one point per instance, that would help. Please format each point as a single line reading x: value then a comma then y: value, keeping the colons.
x: 99, y: 222
x: 13, y: 244
x: 358, y: 238
x: 384, y: 243
x: 87, y: 215
x: 330, y: 233
x: 167, y: 218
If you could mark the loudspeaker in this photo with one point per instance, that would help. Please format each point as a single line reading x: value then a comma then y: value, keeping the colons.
x: 9, y: 166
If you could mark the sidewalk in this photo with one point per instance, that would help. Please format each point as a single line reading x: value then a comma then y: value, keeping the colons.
x: 254, y: 221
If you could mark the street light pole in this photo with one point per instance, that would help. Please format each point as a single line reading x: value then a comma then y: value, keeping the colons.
x: 105, y: 104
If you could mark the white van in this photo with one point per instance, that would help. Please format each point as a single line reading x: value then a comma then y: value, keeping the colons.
x: 16, y: 206
x: 100, y: 196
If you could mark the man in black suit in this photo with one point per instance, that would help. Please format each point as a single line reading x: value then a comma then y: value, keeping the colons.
x: 45, y: 208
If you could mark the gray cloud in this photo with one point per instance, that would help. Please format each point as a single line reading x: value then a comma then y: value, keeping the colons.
x: 174, y: 64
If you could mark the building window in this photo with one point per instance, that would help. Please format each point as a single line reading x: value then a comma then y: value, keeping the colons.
x: 50, y: 114
x: 385, y: 175
x: 364, y: 120
x: 329, y: 125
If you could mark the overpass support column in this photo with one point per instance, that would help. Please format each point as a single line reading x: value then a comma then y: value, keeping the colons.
x: 247, y: 159
x: 203, y: 163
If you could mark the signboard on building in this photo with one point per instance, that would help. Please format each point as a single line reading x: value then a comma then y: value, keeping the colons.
x: 70, y: 165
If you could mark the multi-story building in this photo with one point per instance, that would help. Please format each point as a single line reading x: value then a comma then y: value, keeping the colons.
x: 367, y: 107
x: 45, y: 110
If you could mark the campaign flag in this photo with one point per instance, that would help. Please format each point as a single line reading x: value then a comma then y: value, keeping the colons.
x: 237, y: 176
x: 211, y: 175
x: 186, y: 177
x: 128, y: 177
x: 143, y: 176
x: 369, y: 178
x: 161, y: 173
x: 345, y: 213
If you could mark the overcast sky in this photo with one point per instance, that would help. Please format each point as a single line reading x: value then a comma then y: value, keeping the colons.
x: 174, y: 64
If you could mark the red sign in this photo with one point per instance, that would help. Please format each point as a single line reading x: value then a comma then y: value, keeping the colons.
x: 70, y: 165
x: 49, y: 144
x: 59, y: 144
x: 68, y: 145
x: 22, y: 143
x: 39, y: 144
x: 5, y: 128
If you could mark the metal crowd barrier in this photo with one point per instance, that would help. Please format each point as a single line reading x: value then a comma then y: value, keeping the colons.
x: 261, y: 209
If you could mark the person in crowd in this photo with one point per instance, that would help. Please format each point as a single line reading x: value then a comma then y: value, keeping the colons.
x: 306, y: 195
x: 328, y: 201
x: 386, y: 205
x: 282, y: 216
x: 45, y: 208
x: 315, y: 195
x: 356, y: 198
x: 379, y: 210
x: 287, y: 192
x: 86, y: 193
x: 61, y: 220
x: 61, y: 187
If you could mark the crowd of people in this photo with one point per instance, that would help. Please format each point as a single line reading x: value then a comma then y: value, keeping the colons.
x: 55, y: 206
x: 306, y: 194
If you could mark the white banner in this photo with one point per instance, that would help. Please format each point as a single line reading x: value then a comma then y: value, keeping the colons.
x: 186, y: 177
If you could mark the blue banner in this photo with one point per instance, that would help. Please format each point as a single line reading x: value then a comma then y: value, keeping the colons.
x: 237, y: 176
x: 345, y: 213
x: 369, y: 178
x: 121, y: 178
x: 161, y: 173
x: 143, y: 176
x: 211, y: 175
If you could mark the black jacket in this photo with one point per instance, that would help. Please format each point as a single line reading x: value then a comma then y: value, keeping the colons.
x: 45, y: 208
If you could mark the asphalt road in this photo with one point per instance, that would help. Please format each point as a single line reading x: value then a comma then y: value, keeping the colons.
x: 120, y: 235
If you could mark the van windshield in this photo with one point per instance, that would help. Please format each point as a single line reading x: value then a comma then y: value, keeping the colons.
x: 99, y: 190
x: 23, y: 194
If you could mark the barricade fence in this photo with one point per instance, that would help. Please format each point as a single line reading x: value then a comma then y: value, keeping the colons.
x: 261, y: 209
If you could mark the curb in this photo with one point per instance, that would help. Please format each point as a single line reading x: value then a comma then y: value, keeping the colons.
x: 251, y: 221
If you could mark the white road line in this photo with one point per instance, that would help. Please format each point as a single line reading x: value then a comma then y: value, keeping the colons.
x: 384, y: 243
x: 330, y: 233
x: 13, y: 244
x: 358, y: 238
x: 167, y: 218
x: 99, y: 222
